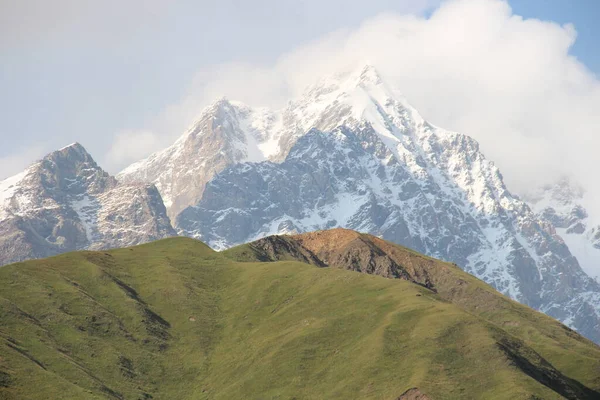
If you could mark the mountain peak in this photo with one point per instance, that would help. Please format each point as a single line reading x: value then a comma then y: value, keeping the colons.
x: 219, y: 109
x: 72, y: 146
x: 364, y: 76
x: 369, y: 75
x: 73, y: 152
x: 346, y: 80
x: 73, y: 158
x: 220, y: 102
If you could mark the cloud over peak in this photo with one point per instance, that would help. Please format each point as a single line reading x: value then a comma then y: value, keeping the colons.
x: 471, y: 66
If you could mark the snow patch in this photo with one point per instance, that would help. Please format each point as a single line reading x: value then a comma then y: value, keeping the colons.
x: 583, y: 249
x: 87, y: 209
x: 10, y: 185
x: 67, y: 146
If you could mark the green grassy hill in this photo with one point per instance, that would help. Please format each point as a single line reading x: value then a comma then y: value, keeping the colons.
x: 175, y: 320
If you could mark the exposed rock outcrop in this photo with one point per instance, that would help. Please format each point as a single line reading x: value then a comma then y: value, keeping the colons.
x: 67, y: 202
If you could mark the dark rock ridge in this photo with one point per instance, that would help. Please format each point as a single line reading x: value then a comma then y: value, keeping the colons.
x: 350, y: 250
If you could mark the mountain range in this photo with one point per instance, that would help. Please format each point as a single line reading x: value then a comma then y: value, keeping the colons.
x: 349, y: 152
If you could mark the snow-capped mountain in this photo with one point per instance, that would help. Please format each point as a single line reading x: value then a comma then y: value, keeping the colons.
x: 230, y: 132
x: 67, y: 202
x: 225, y: 134
x: 563, y: 204
x: 351, y: 152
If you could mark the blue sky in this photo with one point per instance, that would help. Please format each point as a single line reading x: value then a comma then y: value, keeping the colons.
x: 89, y: 71
x: 584, y: 14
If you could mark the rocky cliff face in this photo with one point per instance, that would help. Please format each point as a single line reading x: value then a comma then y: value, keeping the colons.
x: 67, y: 202
x: 350, y: 250
x: 373, y: 164
x: 226, y: 133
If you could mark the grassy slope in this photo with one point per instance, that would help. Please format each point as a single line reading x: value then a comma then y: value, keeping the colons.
x: 173, y: 319
x: 549, y: 338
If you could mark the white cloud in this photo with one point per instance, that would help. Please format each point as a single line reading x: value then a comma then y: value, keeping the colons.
x: 130, y: 146
x: 16, y: 162
x: 64, y: 22
x: 110, y: 23
x: 473, y: 67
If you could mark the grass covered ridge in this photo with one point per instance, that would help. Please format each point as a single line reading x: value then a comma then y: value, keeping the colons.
x: 175, y: 320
